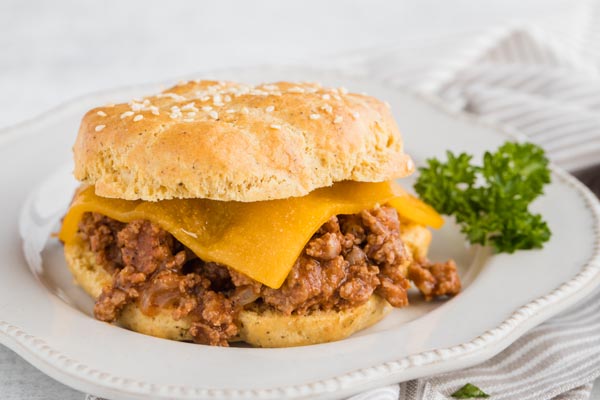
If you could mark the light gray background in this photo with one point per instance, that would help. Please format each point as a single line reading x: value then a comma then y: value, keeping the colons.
x: 53, y: 51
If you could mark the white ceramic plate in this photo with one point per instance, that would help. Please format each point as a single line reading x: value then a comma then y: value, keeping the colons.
x: 46, y: 319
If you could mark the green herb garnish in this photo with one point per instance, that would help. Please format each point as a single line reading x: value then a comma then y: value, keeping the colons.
x: 469, y: 392
x: 491, y: 202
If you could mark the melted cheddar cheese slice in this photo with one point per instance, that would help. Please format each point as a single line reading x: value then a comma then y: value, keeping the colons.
x: 261, y: 239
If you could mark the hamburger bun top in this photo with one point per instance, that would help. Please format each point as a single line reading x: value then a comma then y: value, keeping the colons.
x: 229, y: 141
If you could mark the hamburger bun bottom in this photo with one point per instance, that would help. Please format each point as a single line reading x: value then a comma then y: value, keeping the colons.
x: 257, y: 327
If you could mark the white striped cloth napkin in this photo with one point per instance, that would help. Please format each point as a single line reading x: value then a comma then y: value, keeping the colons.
x: 542, y: 80
x: 557, y: 360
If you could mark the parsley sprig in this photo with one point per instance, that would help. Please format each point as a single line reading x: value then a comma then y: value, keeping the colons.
x: 491, y: 201
x: 470, y: 391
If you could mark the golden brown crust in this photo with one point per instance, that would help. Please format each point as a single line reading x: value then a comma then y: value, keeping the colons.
x: 260, y: 328
x: 227, y: 141
x: 273, y: 329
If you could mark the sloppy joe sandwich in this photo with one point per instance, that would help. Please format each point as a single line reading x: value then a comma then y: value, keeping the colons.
x: 217, y: 212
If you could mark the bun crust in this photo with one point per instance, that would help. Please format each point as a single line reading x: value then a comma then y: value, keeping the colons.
x: 228, y: 141
x: 260, y: 328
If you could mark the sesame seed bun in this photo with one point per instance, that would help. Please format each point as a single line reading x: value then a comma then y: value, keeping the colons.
x: 257, y: 327
x: 228, y: 141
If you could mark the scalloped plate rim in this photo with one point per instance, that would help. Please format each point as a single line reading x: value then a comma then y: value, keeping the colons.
x: 489, y: 343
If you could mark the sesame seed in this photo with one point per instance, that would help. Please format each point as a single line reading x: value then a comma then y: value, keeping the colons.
x: 189, y: 106
x: 230, y: 111
x: 191, y: 114
x: 315, y: 116
x: 245, y: 110
x: 343, y: 90
x: 275, y: 126
x: 326, y: 96
x: 227, y: 98
x: 173, y: 96
x: 327, y: 108
x: 99, y: 127
x: 338, y: 119
x: 355, y: 115
x: 174, y: 115
x: 388, y: 105
x: 295, y: 89
x: 101, y: 113
x: 270, y: 109
x: 126, y: 114
x: 214, y: 115
x: 337, y: 97
x: 270, y: 87
x: 154, y: 110
x: 138, y: 117
x: 188, y: 120
x: 204, y: 98
x: 206, y: 108
x: 111, y: 105
x: 241, y: 91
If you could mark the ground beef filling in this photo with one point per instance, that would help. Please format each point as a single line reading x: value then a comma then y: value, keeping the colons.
x: 345, y: 262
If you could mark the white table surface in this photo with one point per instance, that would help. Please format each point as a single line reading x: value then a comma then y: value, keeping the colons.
x: 53, y: 51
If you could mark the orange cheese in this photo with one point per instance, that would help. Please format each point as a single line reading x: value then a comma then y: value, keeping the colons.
x: 260, y: 239
x: 413, y: 209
